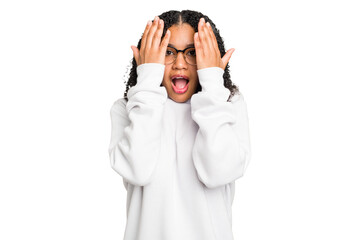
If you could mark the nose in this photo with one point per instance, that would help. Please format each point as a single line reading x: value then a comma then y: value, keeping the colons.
x: 180, y: 62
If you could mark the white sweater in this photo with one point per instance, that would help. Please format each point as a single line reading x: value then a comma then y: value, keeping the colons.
x: 179, y: 161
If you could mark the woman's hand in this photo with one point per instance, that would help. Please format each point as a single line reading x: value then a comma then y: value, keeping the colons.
x: 152, y: 49
x: 207, y: 50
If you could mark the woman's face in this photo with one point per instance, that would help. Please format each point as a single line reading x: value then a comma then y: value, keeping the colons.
x: 182, y: 36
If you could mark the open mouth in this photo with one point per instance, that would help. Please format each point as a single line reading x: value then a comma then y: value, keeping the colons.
x: 179, y: 83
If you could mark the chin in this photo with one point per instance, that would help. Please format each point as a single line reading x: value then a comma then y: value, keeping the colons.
x: 180, y: 99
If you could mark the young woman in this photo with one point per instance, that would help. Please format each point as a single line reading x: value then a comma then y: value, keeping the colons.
x: 180, y: 134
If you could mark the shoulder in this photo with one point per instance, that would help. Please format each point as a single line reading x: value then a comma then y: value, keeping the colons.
x: 237, y: 97
x: 119, y: 106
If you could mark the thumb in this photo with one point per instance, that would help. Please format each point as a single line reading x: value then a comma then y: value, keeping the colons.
x: 226, y: 58
x: 136, y: 54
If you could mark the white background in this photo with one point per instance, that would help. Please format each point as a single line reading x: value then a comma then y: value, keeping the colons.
x: 61, y: 68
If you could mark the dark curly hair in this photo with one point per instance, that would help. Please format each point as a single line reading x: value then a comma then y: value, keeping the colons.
x: 192, y: 18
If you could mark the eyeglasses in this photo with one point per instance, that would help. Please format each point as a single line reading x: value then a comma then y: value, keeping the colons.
x: 189, y: 55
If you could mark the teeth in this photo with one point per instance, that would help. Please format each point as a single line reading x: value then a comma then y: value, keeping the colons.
x: 179, y: 78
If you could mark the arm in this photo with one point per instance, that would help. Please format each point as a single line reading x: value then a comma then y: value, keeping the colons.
x: 136, y: 127
x: 221, y: 151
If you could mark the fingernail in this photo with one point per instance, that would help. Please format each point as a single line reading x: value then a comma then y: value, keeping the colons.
x: 149, y: 22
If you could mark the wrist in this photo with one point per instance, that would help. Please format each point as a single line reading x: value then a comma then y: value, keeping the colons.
x: 212, y: 82
x: 210, y: 76
x: 150, y: 72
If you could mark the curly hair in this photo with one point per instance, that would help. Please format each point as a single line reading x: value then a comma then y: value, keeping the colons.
x: 192, y: 18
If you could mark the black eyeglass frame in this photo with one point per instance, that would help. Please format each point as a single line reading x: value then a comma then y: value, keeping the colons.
x: 183, y: 51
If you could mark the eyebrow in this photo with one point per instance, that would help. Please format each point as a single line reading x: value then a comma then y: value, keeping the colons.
x: 189, y: 45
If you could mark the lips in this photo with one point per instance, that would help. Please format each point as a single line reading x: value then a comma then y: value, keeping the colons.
x: 179, y: 76
x: 180, y: 83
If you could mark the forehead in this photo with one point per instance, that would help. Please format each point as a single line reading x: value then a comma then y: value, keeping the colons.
x: 181, y: 35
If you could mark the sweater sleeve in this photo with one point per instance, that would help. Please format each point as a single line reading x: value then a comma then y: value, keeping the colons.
x: 221, y: 151
x: 135, y: 133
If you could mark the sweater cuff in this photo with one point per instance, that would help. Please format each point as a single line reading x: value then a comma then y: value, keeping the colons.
x: 212, y: 81
x: 151, y: 73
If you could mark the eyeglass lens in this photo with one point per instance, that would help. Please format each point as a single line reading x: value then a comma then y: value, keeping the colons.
x: 189, y: 54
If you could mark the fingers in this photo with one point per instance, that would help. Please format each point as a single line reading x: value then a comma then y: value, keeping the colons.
x: 154, y: 33
x: 201, y: 34
x: 165, y: 41
x: 207, y: 40
x: 198, y: 46
x: 213, y: 38
x: 151, y: 33
x: 207, y: 49
x: 207, y: 37
x: 144, y: 37
x: 226, y: 58
x: 158, y: 33
x: 136, y: 54
x: 152, y: 48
